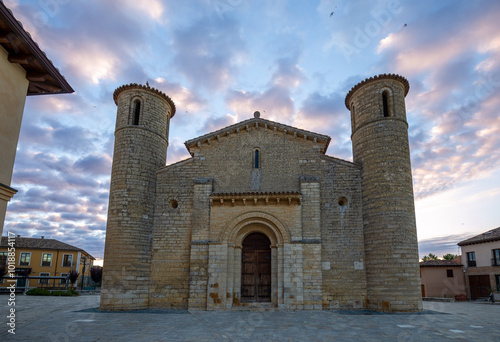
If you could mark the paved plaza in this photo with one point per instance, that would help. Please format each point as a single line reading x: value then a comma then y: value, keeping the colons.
x: 78, y: 319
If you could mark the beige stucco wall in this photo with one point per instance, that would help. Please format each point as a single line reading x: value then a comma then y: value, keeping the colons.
x: 438, y: 284
x: 13, y: 89
x: 483, y: 266
x: 483, y: 252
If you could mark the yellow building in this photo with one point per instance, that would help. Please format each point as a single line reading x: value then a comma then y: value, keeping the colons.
x: 24, y: 70
x: 46, y: 258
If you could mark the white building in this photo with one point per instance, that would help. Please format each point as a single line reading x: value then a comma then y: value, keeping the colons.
x: 481, y: 258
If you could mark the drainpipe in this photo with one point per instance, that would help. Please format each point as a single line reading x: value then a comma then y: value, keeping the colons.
x: 55, y: 272
x: 467, y: 290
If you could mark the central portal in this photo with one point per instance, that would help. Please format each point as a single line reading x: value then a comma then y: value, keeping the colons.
x: 256, y: 269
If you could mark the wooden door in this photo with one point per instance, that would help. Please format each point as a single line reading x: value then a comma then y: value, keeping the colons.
x: 256, y: 269
x: 479, y: 286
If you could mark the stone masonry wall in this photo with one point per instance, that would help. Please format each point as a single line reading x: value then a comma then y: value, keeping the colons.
x: 171, y: 240
x: 139, y: 151
x: 343, y: 256
x: 230, y: 160
x: 380, y: 146
x: 203, y: 273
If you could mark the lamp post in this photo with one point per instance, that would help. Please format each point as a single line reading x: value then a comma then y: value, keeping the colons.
x: 84, y: 259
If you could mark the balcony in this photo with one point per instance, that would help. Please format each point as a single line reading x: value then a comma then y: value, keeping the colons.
x: 471, y: 263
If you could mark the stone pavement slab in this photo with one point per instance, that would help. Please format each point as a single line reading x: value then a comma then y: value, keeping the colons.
x: 78, y: 319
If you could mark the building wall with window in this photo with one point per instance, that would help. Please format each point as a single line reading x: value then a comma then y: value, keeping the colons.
x: 46, y: 260
x: 481, y: 255
x: 486, y: 254
x: 260, y: 215
x: 442, y: 279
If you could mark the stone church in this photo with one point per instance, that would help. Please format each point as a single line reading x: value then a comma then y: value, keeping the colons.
x: 259, y: 216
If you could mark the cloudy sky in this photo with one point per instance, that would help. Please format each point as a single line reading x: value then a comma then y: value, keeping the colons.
x: 294, y: 61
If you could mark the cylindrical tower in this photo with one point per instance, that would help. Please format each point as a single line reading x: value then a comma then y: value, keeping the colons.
x: 380, y: 145
x: 141, y: 140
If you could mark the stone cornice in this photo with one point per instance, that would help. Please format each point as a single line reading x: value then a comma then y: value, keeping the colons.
x: 396, y: 77
x: 256, y: 198
x: 6, y: 192
x: 258, y: 123
x: 144, y: 87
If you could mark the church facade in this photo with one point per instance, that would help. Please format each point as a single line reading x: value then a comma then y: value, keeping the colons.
x: 260, y: 216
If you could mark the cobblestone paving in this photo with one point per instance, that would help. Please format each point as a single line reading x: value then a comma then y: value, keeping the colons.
x: 78, y: 319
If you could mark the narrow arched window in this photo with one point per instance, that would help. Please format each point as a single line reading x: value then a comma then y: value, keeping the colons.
x: 137, y: 112
x: 385, y: 103
x: 256, y: 159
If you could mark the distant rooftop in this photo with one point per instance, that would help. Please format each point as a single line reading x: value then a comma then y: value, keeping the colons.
x: 489, y: 236
x: 43, y: 76
x: 440, y: 263
x: 41, y: 243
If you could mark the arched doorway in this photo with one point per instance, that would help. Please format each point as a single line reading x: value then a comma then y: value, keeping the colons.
x: 256, y: 268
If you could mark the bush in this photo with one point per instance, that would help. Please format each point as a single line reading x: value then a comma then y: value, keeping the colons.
x: 38, y: 292
x: 73, y: 276
x: 96, y: 274
x: 44, y: 292
x: 72, y: 292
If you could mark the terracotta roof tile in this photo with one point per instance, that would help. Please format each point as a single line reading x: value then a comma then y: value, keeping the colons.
x: 440, y: 263
x: 36, y: 243
x: 490, y: 235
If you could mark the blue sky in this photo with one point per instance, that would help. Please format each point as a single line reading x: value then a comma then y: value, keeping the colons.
x: 294, y: 61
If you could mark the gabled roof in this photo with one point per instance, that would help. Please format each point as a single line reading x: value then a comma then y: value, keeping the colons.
x: 489, y: 236
x: 36, y: 243
x: 43, y: 76
x: 439, y: 263
x: 258, y: 123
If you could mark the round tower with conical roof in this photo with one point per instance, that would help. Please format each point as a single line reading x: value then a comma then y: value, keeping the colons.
x: 380, y: 145
x: 141, y: 140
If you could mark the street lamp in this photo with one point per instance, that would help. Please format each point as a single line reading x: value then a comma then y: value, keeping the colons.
x: 84, y: 259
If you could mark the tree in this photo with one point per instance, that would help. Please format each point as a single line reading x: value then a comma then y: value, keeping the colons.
x: 430, y: 257
x: 449, y: 256
x: 96, y: 274
x: 73, y: 276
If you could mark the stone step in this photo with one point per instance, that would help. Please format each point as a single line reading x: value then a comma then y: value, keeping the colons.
x: 254, y: 306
